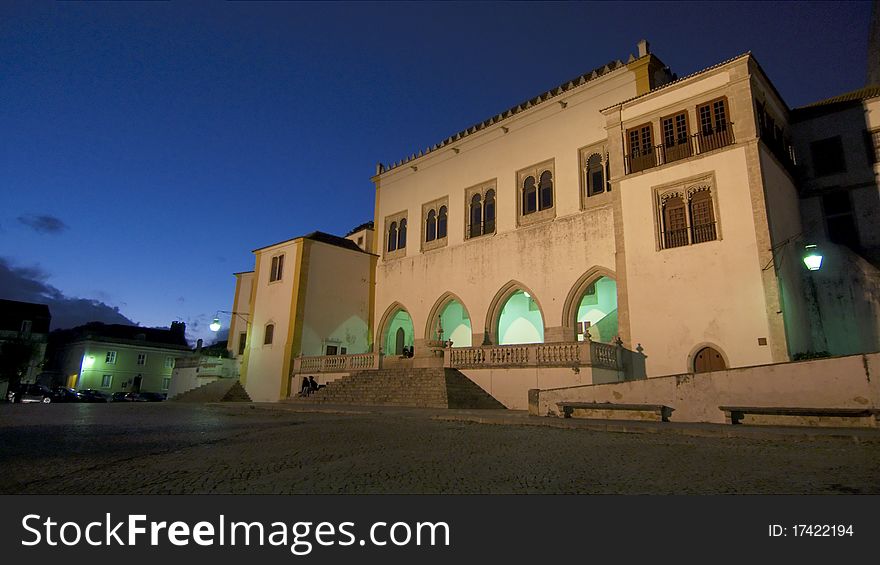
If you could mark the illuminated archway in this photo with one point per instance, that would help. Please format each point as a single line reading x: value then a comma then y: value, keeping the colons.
x: 450, y: 314
x: 515, y: 316
x: 592, y: 300
x: 396, y: 330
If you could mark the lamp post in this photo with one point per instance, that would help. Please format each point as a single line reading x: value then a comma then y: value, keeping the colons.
x: 215, y: 325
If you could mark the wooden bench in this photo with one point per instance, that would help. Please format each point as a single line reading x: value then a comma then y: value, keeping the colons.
x: 610, y: 411
x: 799, y: 416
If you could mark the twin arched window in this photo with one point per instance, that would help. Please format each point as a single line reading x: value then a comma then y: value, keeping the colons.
x: 537, y: 195
x: 435, y: 224
x: 482, y: 213
x: 397, y: 235
x: 688, y: 221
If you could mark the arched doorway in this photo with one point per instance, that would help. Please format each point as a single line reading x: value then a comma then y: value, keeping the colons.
x: 399, y: 333
x: 520, y: 320
x: 451, y: 317
x: 707, y: 360
x: 597, y: 311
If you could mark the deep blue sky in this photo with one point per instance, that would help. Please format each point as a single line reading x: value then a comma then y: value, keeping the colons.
x: 146, y: 149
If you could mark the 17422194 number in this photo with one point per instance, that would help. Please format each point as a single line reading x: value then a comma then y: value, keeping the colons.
x: 811, y: 530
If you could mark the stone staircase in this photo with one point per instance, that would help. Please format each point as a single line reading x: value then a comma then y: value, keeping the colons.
x: 427, y: 388
x: 222, y: 390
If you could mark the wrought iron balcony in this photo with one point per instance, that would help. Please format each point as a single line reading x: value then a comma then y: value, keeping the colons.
x: 695, y: 144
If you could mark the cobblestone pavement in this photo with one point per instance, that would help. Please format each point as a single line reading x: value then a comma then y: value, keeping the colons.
x: 185, y: 448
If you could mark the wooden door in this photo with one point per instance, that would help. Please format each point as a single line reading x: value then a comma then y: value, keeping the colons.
x: 708, y: 360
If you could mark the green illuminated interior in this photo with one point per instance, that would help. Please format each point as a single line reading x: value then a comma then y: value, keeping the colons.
x: 400, y: 321
x: 456, y: 324
x: 520, y: 321
x: 599, y: 307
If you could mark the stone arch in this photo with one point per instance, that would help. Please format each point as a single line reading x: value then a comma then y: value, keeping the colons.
x: 381, y: 337
x: 572, y: 301
x: 498, y: 303
x: 437, y: 309
x: 699, y: 347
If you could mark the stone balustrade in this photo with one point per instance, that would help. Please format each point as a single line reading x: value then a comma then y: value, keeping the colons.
x: 535, y: 355
x: 336, y: 363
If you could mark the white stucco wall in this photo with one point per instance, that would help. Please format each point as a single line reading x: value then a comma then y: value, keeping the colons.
x: 704, y: 294
x: 843, y: 382
x: 272, y: 303
x: 547, y: 258
x: 337, y: 300
x: 783, y: 215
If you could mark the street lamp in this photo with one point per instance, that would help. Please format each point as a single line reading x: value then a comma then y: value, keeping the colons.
x: 812, y: 257
x: 215, y: 324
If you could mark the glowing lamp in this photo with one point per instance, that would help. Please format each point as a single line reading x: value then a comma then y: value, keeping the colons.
x: 88, y: 361
x: 812, y: 257
x: 215, y: 325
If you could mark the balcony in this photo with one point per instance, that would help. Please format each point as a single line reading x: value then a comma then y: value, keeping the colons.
x: 687, y: 236
x: 696, y: 144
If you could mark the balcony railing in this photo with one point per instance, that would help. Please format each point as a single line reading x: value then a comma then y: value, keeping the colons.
x: 586, y: 353
x: 696, y: 144
x: 687, y: 236
x: 336, y: 363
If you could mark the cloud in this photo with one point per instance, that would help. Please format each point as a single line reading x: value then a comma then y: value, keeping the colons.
x: 43, y: 223
x: 28, y: 284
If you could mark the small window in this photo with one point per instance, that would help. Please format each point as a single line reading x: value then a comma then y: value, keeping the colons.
x: 529, y: 196
x: 343, y: 351
x: 360, y: 241
x: 270, y: 332
x: 702, y: 217
x: 142, y: 359
x: 431, y: 226
x: 332, y: 350
x: 242, y: 342
x: 476, y: 215
x: 392, y: 237
x: 640, y: 148
x: 441, y: 222
x: 111, y: 358
x: 169, y: 362
x: 676, y: 143
x: 713, y: 116
x: 277, y: 268
x: 489, y: 212
x: 674, y: 223
x: 106, y: 381
x: 166, y: 383
x: 839, y: 219
x: 828, y: 156
x: 401, y: 234
x: 546, y: 188
x: 595, y: 175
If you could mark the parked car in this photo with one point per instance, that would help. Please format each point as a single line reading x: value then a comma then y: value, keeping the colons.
x: 30, y: 393
x: 152, y: 396
x: 119, y: 396
x: 64, y: 394
x: 92, y: 395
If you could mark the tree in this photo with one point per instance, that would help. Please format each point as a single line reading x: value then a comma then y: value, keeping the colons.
x: 15, y: 358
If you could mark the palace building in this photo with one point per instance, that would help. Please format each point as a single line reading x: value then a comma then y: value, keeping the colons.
x: 624, y: 225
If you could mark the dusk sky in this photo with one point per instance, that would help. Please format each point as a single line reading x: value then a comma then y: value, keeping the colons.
x: 148, y: 148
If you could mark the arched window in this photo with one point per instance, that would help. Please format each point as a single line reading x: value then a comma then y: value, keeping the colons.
x: 529, y: 196
x: 675, y: 232
x: 595, y: 181
x: 702, y: 217
x: 489, y: 212
x: 441, y: 223
x: 401, y: 234
x: 546, y: 189
x: 269, y: 335
x: 476, y: 216
x: 392, y: 237
x: 431, y: 226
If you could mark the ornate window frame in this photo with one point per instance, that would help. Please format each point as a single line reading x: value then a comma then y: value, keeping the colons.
x: 685, y: 189
x: 482, y: 189
x: 587, y: 199
x: 398, y: 251
x: 435, y: 206
x: 538, y: 215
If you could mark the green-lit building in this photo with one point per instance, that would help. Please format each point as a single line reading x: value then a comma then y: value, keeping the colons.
x: 118, y: 358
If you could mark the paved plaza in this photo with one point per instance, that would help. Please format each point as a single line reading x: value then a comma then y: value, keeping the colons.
x: 241, y: 448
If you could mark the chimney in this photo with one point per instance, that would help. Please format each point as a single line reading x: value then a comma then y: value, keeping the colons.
x: 643, y: 47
